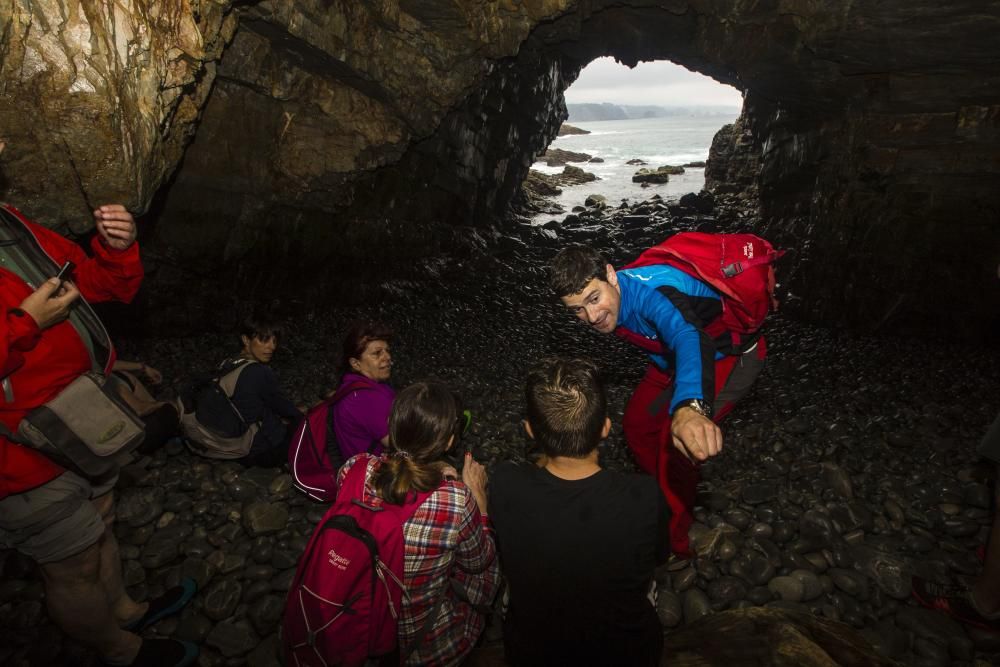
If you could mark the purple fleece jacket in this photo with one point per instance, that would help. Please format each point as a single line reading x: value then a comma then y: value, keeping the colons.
x: 361, y: 419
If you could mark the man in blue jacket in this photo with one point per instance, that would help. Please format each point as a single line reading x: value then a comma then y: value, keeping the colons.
x: 689, y: 384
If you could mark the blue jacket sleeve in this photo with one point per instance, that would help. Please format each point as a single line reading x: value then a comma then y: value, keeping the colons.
x: 694, y: 353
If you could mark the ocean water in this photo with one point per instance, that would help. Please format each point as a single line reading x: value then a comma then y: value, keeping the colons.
x: 658, y: 141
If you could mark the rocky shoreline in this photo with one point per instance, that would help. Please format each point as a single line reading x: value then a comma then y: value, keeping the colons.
x: 850, y: 466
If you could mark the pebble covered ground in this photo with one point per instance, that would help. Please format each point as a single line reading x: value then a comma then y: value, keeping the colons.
x: 850, y: 467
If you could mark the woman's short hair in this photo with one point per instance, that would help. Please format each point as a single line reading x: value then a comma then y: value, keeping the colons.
x: 359, y: 335
x: 575, y: 266
x: 261, y: 327
x: 566, y: 406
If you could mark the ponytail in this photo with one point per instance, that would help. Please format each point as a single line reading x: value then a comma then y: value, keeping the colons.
x: 421, y: 427
x: 399, y: 476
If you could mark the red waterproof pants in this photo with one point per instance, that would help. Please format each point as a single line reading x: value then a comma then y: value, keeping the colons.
x: 647, y: 432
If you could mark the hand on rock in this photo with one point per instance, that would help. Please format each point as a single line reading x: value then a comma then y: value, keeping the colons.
x: 115, y: 225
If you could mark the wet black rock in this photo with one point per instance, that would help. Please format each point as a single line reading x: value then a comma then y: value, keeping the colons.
x: 832, y: 476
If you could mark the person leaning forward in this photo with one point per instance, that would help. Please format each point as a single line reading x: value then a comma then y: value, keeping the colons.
x: 688, y: 386
x: 55, y: 517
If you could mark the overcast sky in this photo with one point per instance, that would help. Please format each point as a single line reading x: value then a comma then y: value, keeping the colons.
x: 660, y: 82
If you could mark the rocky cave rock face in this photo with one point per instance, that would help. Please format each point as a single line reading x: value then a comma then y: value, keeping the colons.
x: 293, y: 134
x: 99, y: 100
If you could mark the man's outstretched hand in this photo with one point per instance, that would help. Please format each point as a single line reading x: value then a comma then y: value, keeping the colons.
x: 115, y: 225
x: 696, y: 436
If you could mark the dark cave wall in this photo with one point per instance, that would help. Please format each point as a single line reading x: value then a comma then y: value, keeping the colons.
x: 340, y: 135
x: 890, y: 209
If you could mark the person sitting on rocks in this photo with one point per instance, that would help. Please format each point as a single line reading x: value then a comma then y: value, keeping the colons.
x: 579, y: 543
x: 258, y: 397
x: 978, y: 606
x: 56, y: 517
x: 449, y: 560
x: 361, y: 417
x: 160, y: 418
x: 668, y: 421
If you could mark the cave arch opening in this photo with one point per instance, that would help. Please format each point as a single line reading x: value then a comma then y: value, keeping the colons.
x: 632, y: 133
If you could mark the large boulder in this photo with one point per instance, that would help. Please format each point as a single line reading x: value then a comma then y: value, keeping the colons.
x: 765, y: 636
x: 658, y: 175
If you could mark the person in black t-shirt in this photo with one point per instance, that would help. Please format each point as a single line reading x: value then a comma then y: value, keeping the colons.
x: 578, y: 544
x: 259, y: 398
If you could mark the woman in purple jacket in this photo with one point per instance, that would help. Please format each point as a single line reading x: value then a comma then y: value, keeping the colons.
x: 361, y: 418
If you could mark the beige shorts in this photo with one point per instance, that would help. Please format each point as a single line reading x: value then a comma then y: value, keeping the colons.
x: 56, y: 520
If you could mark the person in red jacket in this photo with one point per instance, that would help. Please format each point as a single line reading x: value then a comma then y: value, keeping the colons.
x: 54, y: 516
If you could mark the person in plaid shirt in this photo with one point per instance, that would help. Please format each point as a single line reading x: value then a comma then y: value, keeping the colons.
x: 449, y: 537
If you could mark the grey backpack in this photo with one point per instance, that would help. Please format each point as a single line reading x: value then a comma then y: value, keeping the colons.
x: 211, y: 424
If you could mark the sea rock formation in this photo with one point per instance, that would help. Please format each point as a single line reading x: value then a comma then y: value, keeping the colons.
x: 567, y: 129
x: 329, y: 133
x: 659, y: 175
x: 556, y: 157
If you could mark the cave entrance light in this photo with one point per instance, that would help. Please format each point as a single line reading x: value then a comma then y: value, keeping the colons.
x: 658, y: 113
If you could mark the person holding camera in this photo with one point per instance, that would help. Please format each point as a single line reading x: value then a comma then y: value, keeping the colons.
x: 57, y: 518
x: 448, y: 544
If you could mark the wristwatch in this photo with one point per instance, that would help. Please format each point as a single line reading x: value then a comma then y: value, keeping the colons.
x: 696, y: 404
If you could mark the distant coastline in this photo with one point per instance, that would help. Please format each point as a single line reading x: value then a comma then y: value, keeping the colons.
x: 588, y: 113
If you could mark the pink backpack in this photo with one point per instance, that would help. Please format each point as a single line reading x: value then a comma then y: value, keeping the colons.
x: 344, y: 602
x: 314, y: 455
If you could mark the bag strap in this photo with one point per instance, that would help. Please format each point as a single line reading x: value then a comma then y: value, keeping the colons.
x: 6, y: 432
x: 353, y: 488
x: 426, y: 627
x: 458, y: 588
x: 736, y: 268
x: 227, y: 381
x: 28, y: 260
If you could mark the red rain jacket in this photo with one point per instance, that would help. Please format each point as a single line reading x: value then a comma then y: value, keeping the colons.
x: 40, y: 364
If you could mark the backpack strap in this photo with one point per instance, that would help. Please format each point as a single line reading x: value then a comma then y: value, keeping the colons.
x: 736, y: 268
x: 227, y: 382
x: 640, y: 341
x: 25, y: 257
x: 231, y: 372
x: 353, y: 488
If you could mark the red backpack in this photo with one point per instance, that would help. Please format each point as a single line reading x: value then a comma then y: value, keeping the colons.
x: 314, y: 455
x: 344, y: 602
x: 738, y: 266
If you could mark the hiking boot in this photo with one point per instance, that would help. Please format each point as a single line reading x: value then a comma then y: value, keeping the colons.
x: 955, y: 602
x: 167, y: 604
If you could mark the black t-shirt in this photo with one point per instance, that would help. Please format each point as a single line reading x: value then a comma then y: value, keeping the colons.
x: 579, y: 557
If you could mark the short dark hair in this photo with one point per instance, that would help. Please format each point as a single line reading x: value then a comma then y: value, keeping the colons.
x: 574, y: 267
x: 260, y: 326
x: 566, y: 406
x: 360, y: 333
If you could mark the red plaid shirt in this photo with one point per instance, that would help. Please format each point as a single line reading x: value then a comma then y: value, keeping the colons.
x: 447, y: 538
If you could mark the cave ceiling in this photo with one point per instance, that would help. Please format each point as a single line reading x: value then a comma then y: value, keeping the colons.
x: 263, y: 133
